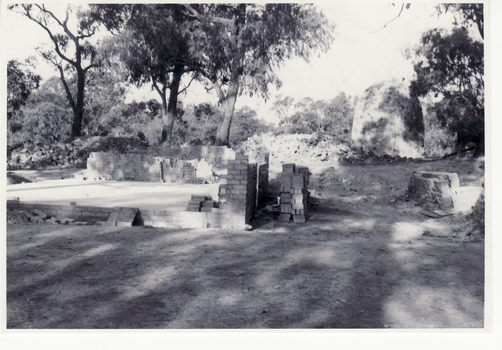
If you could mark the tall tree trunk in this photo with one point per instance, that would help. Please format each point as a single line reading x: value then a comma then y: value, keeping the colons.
x: 78, y: 113
x: 480, y: 145
x: 164, y: 114
x: 227, y: 109
x: 173, y: 102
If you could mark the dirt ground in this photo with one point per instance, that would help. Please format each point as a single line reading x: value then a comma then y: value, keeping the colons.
x: 366, y: 258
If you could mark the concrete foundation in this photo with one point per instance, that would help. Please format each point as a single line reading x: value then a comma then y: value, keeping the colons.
x: 160, y: 187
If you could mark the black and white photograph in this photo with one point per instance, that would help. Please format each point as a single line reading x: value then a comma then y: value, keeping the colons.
x: 315, y: 167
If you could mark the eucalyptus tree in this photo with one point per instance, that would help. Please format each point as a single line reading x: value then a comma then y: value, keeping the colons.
x: 72, y: 50
x: 466, y: 15
x: 280, y: 107
x: 451, y: 65
x: 240, y: 47
x: 21, y: 82
x: 153, y: 41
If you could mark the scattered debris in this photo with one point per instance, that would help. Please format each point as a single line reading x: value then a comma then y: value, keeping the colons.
x: 436, y: 213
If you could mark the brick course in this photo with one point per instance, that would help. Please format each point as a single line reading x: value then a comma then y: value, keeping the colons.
x: 178, y: 165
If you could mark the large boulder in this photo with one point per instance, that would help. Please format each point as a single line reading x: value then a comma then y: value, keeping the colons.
x: 388, y: 121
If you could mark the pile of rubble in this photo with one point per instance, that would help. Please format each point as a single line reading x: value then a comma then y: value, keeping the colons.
x: 294, y: 148
x: 39, y: 154
x: 37, y: 216
x: 316, y: 148
x: 362, y: 156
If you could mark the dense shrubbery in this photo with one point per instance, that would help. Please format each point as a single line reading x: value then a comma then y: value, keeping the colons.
x: 45, y: 115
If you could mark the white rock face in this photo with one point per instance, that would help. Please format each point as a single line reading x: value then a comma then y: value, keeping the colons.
x: 387, y: 120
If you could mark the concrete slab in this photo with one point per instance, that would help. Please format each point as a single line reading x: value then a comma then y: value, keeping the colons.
x: 143, y: 195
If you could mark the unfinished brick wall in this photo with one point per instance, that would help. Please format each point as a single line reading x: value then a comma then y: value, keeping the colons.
x: 113, y: 166
x: 243, y: 184
x: 179, y: 165
x: 434, y: 190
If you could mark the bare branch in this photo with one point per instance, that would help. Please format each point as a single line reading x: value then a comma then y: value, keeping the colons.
x: 88, y: 35
x: 63, y: 24
x: 154, y: 84
x: 398, y: 15
x: 186, y: 87
x: 90, y: 66
x: 53, y: 39
x: 67, y: 89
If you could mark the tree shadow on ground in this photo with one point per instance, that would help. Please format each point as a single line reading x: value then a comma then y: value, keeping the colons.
x: 351, y: 272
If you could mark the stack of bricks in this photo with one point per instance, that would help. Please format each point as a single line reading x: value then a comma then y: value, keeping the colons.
x: 434, y: 190
x: 294, y: 194
x: 204, y: 204
x: 206, y: 213
x: 195, y: 203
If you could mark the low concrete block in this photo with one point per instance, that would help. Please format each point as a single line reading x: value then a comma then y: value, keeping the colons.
x: 79, y: 223
x: 299, y: 218
x: 112, y: 218
x: 40, y: 213
x: 288, y: 168
x: 284, y: 217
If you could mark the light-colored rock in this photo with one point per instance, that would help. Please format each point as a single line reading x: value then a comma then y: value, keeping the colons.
x: 387, y: 120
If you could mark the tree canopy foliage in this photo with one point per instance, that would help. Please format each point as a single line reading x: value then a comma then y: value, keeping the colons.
x: 46, y: 114
x: 154, y: 44
x: 233, y: 48
x: 450, y: 65
x: 466, y: 15
x: 240, y: 47
x: 21, y: 82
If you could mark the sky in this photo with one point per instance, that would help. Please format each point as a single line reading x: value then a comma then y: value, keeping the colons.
x: 362, y: 54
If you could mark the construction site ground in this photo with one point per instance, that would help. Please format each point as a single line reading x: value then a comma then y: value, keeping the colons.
x: 365, y: 258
